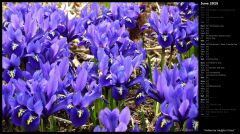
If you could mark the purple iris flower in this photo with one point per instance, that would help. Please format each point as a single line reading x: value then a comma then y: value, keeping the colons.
x: 192, y: 31
x: 12, y: 41
x: 164, y: 28
x: 121, y: 70
x: 189, y: 69
x: 106, y: 15
x: 27, y: 111
x: 104, y: 35
x: 163, y: 124
x: 114, y: 121
x: 77, y: 107
x: 147, y: 88
x: 11, y: 68
x: 188, y: 9
x: 128, y: 14
x: 180, y: 88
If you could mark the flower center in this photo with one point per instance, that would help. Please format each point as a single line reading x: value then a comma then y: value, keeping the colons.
x: 109, y: 76
x: 195, y: 124
x: 20, y: 112
x: 120, y: 90
x: 183, y: 84
x: 188, y: 42
x: 69, y: 106
x: 52, y: 33
x: 165, y: 38
x: 129, y: 20
x: 189, y: 12
x: 100, y: 73
x: 11, y: 73
x: 36, y: 58
x: 14, y: 46
x: 140, y: 95
x: 164, y: 122
x: 80, y: 112
x: 30, y: 119
x: 181, y: 43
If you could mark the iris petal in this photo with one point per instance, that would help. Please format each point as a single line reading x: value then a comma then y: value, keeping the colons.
x: 119, y: 93
x: 30, y: 122
x: 79, y: 117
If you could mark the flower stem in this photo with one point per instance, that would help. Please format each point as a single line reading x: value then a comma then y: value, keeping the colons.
x: 163, y: 62
x: 53, y: 122
x: 157, y: 108
x: 143, y: 120
x: 170, y: 58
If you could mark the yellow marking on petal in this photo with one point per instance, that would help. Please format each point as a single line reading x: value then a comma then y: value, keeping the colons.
x: 183, y: 84
x: 189, y: 12
x: 61, y: 95
x: 109, y: 13
x: 188, y: 42
x: 111, y: 60
x: 20, y: 112
x: 88, y: 22
x: 195, y: 125
x: 120, y: 90
x: 52, y: 33
x: 69, y: 106
x: 164, y: 38
x: 181, y: 44
x: 100, y: 73
x: 5, y: 24
x: 30, y: 119
x: 49, y: 37
x: 99, y: 16
x: 11, y: 73
x: 36, y: 58
x: 164, y: 122
x: 181, y: 4
x: 184, y: 20
x: 14, y: 46
x: 109, y: 76
x: 139, y: 95
x: 61, y: 36
x: 88, y: 87
x: 80, y: 112
x: 129, y: 20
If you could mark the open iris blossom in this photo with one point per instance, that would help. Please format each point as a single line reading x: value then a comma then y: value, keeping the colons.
x: 181, y: 97
x: 113, y: 121
x: 11, y: 68
x: 174, y: 28
x: 26, y: 111
x: 188, y: 9
x: 77, y: 107
x: 164, y: 28
x: 126, y: 13
x: 104, y: 35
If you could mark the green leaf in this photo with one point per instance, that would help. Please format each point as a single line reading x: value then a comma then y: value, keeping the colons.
x: 143, y: 123
x: 150, y: 66
x: 106, y: 4
x: 53, y: 124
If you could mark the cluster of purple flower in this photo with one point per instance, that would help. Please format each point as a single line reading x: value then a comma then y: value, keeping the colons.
x: 40, y: 78
x: 177, y: 25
